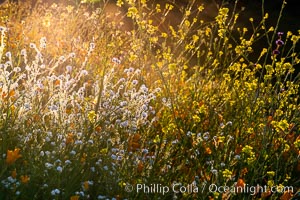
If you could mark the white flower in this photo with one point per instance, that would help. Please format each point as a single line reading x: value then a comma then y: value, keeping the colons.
x: 47, y: 139
x: 57, y: 191
x: 8, y: 54
x: 84, y: 72
x: 92, y: 46
x: 67, y: 162
x: 116, y: 60
x: 135, y: 82
x: 2, y: 29
x: 11, y: 179
x: 48, y: 165
x: 101, y: 197
x: 113, y: 156
x: 59, y: 169
x: 23, y: 52
x: 32, y: 45
x: 69, y: 68
x: 62, y: 59
x: 78, y: 142
x: 123, y: 103
x: 90, y: 141
x: 72, y: 55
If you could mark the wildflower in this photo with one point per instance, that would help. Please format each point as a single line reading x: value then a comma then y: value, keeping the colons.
x: 59, y: 169
x: 2, y: 29
x: 48, y: 165
x: 140, y: 167
x: 17, y: 69
x: 124, y: 124
x: 11, y: 179
x: 208, y: 151
x: 276, y: 52
x: 227, y: 173
x: 67, y: 162
x: 85, y: 185
x: 116, y: 61
x: 12, y: 156
x: 92, y: 116
x: 280, y: 34
x: 62, y: 59
x: 79, y: 142
x: 113, y: 156
x: 134, y: 82
x: 84, y: 72
x: 206, y: 136
x: 24, y: 179
x: 55, y: 192
x: 92, y: 46
x: 101, y: 197
x: 69, y: 68
x: 75, y: 197
x: 8, y: 54
x: 279, y: 42
x: 32, y: 45
x: 72, y: 55
x: 73, y: 152
x: 240, y: 184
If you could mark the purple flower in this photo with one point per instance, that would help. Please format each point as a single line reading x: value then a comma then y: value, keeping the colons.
x: 276, y: 52
x: 280, y: 34
x: 279, y: 42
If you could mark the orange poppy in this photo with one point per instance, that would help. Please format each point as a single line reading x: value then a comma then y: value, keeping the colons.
x: 208, y: 151
x: 12, y: 156
x: 98, y: 129
x: 75, y: 197
x: 287, y: 195
x: 134, y: 142
x: 240, y: 184
x: 70, y: 138
x: 25, y: 179
x: 140, y: 167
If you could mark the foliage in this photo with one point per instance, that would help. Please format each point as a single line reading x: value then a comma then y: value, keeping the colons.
x: 96, y: 103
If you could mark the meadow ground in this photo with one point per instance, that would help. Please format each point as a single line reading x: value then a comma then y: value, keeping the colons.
x: 140, y: 100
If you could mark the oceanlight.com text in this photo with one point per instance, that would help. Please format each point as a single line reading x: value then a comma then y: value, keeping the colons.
x: 193, y: 188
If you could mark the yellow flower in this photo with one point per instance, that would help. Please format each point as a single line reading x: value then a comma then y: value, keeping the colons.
x: 92, y: 116
x: 24, y: 179
x: 227, y: 173
x: 12, y: 156
x: 86, y: 185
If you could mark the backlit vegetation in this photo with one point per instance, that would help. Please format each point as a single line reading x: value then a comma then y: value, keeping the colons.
x: 96, y: 96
